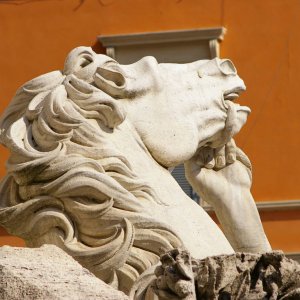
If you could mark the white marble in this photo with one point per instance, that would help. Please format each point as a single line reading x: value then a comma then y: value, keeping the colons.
x: 90, y: 150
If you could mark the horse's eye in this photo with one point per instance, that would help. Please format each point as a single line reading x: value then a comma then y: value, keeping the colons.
x: 112, y: 75
x: 112, y: 65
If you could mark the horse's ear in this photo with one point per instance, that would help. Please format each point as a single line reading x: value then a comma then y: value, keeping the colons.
x: 111, y: 81
x: 81, y: 62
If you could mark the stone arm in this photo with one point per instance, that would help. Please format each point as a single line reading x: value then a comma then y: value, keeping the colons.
x: 222, y: 178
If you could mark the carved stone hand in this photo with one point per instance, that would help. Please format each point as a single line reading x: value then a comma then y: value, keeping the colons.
x: 222, y: 177
x: 216, y: 173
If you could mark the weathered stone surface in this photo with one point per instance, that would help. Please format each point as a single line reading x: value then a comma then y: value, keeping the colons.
x: 48, y: 273
x: 175, y: 278
x: 241, y: 276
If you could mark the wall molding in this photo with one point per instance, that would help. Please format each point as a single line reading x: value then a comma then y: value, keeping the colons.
x: 293, y: 255
x: 278, y: 205
x: 282, y: 205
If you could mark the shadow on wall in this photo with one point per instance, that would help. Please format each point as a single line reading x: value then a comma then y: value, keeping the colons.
x: 98, y: 48
x: 80, y: 2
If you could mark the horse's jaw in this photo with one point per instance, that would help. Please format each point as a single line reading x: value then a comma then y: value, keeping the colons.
x: 170, y: 205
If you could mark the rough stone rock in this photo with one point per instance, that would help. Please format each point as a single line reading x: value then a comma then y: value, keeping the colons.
x: 268, y: 276
x: 48, y: 273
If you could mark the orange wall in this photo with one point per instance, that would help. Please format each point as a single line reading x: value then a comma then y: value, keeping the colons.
x: 263, y: 40
x: 281, y: 228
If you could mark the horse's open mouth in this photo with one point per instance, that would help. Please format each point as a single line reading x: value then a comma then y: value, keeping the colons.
x: 232, y: 95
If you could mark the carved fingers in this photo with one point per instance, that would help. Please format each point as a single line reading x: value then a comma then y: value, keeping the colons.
x: 221, y: 157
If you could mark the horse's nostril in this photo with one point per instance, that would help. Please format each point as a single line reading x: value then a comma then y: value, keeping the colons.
x: 227, y: 67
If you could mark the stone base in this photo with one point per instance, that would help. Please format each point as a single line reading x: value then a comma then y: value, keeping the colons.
x: 48, y: 273
x: 268, y: 276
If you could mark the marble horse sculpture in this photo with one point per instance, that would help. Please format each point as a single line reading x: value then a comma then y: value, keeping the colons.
x: 91, y: 147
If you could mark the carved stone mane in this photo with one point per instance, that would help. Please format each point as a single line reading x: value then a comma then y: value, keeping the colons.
x: 80, y: 176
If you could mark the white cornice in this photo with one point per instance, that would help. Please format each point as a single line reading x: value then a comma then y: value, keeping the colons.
x: 162, y: 37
